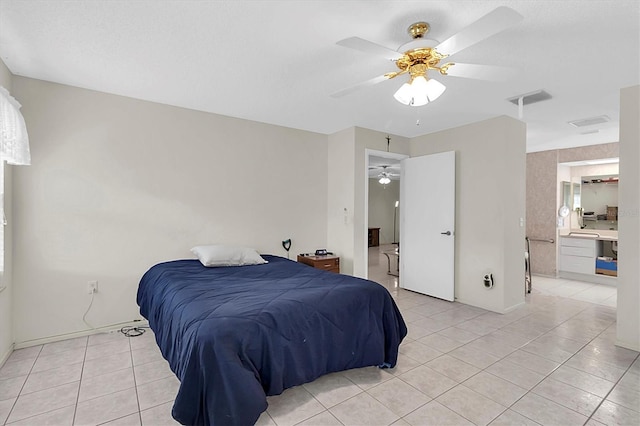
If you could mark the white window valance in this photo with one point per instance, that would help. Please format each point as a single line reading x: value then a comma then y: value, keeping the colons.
x: 14, y: 140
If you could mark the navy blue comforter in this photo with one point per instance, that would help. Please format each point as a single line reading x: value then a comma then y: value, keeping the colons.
x: 234, y: 335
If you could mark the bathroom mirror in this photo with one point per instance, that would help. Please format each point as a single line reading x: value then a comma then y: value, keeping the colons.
x: 577, y: 203
x: 599, y: 199
x: 571, y: 195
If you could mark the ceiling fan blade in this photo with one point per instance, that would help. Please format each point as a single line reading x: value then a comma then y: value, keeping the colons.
x: 348, y: 90
x: 367, y: 46
x: 492, y: 23
x: 481, y: 72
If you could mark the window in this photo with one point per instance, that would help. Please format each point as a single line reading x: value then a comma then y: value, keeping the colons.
x: 14, y: 140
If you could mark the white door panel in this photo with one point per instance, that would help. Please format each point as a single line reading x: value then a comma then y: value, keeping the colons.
x: 427, y: 224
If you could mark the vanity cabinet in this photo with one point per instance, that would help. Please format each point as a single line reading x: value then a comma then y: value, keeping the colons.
x: 578, y: 259
x: 577, y: 255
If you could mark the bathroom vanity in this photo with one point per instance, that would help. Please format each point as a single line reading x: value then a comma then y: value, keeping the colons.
x: 588, y: 256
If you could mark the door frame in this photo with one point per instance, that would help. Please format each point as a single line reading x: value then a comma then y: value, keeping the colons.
x: 367, y: 153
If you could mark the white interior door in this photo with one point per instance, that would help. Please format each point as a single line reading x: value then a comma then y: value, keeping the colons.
x: 427, y: 220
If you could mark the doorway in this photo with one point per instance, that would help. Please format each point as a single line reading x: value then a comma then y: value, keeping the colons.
x: 382, y: 216
x: 589, y: 191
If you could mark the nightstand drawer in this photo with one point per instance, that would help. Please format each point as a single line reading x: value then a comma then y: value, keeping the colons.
x: 326, y: 263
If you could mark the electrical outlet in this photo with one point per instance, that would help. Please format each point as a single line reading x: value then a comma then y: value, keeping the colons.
x: 92, y: 287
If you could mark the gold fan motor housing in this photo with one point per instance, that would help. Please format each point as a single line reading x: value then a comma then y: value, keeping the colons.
x: 418, y: 61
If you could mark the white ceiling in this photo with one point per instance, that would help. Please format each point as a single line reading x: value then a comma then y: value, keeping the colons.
x: 277, y: 61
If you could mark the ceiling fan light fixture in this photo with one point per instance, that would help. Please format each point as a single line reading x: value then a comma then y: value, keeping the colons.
x: 419, y: 91
x: 384, y: 180
x: 404, y: 94
x: 435, y: 89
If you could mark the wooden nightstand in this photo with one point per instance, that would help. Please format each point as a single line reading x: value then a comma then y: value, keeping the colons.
x: 374, y: 237
x: 327, y: 263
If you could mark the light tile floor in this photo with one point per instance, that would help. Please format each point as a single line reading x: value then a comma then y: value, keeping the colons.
x: 552, y: 361
x: 587, y: 292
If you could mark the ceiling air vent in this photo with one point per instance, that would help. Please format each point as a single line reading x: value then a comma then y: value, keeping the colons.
x: 589, y: 121
x: 530, y: 98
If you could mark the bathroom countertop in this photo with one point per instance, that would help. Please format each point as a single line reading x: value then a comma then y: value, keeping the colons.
x: 595, y: 234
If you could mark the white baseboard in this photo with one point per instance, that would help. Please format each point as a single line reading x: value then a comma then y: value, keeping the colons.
x: 544, y: 275
x: 6, y: 356
x: 475, y: 305
x: 634, y: 346
x: 591, y: 278
x: 514, y: 307
x: 113, y: 328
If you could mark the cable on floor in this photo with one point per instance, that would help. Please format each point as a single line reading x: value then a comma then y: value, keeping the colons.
x: 133, y: 331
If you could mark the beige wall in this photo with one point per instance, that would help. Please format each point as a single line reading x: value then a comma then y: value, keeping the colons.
x: 348, y: 179
x: 628, y: 323
x: 6, y: 296
x: 119, y: 184
x: 542, y: 188
x: 490, y: 175
x: 341, y: 197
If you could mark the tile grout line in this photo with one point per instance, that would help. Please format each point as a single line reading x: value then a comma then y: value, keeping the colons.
x: 84, y: 358
x: 556, y: 368
x: 582, y: 310
x: 52, y: 387
x: 135, y: 386
x: 135, y: 382
x: 612, y: 388
x: 563, y: 363
x: 457, y: 384
x: 322, y: 405
x: 519, y: 348
x: 13, y: 406
x: 481, y: 370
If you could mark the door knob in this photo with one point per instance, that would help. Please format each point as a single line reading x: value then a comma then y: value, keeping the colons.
x: 446, y: 233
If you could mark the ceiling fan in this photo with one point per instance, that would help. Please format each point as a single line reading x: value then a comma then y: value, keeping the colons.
x: 384, y: 176
x: 422, y: 55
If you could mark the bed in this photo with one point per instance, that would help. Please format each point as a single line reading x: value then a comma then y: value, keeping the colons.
x: 233, y: 335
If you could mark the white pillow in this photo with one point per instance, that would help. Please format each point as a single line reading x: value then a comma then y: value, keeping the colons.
x: 221, y: 255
